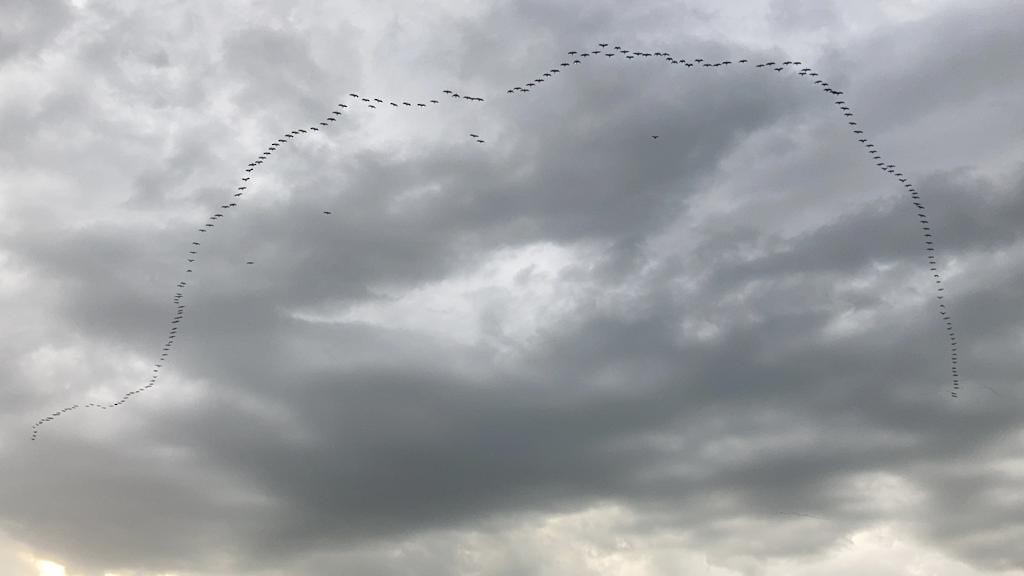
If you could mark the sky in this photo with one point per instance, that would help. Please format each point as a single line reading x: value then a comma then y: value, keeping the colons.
x: 561, y: 346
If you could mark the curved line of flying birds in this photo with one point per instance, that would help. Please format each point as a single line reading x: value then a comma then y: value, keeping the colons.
x: 573, y: 58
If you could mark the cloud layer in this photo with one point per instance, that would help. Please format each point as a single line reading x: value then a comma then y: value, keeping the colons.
x: 572, y: 348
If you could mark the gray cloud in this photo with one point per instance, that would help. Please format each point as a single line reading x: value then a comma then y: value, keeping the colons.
x: 731, y: 338
x: 29, y: 29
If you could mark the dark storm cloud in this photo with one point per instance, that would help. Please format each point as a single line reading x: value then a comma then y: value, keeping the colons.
x: 879, y: 233
x: 274, y: 440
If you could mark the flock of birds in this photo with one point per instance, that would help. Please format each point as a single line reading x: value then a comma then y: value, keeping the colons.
x: 574, y: 58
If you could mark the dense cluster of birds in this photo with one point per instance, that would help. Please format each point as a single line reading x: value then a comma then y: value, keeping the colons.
x: 574, y: 58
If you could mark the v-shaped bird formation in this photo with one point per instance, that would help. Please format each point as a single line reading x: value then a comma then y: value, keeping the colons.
x: 574, y: 58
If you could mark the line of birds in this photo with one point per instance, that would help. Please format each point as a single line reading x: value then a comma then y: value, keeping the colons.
x: 193, y: 253
x: 576, y: 58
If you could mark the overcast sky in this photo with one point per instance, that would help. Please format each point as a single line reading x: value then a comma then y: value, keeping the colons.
x: 570, y: 348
